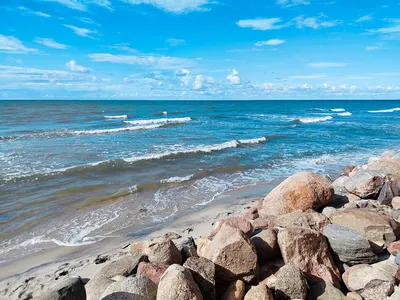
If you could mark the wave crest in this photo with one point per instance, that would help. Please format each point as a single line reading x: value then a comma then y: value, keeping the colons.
x: 116, y: 117
x: 385, y: 110
x: 314, y: 120
x: 159, y: 121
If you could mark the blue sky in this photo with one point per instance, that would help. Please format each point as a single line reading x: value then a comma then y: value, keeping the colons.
x: 199, y: 49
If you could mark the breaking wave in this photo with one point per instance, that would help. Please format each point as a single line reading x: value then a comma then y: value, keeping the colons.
x: 337, y: 109
x: 159, y: 121
x: 116, y: 117
x: 385, y: 110
x: 345, y: 114
x: 314, y: 120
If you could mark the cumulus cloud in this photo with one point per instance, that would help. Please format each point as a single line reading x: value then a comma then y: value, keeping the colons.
x: 202, y: 81
x: 273, y: 42
x: 74, y: 67
x: 261, y: 24
x: 48, y: 42
x: 327, y: 65
x: 175, y: 42
x: 11, y: 44
x: 234, y: 77
x: 176, y: 6
x: 82, y: 31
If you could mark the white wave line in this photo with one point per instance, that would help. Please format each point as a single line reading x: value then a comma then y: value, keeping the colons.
x: 159, y: 121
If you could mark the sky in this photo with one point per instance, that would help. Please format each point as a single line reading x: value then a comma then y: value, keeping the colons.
x: 199, y: 49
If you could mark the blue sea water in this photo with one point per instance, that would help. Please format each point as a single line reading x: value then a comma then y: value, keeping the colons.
x: 73, y: 173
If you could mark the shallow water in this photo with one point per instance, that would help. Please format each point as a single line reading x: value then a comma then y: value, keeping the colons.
x: 72, y: 173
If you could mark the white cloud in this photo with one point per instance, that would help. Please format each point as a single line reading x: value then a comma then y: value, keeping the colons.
x: 364, y: 19
x: 290, y: 3
x: 261, y: 24
x: 314, y: 22
x: 372, y: 48
x: 327, y: 65
x: 25, y: 10
x: 234, y: 77
x: 156, y: 62
x: 176, y: 6
x: 48, y: 42
x: 273, y: 42
x: 11, y: 44
x: 123, y: 47
x: 392, y: 31
x: 82, y: 31
x: 17, y: 60
x: 74, y: 67
x: 175, y: 42
x: 82, y: 5
x: 202, y: 81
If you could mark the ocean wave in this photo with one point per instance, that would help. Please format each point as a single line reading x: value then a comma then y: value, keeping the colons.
x: 337, y: 109
x: 113, y: 130
x: 345, y: 114
x: 159, y: 121
x: 116, y: 117
x: 253, y: 141
x: 385, y: 110
x: 314, y: 120
x: 176, y: 179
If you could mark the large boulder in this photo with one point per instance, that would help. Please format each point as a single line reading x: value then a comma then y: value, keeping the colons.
x: 386, y: 166
x: 178, y: 283
x: 259, y: 292
x: 151, y: 271
x: 300, y: 191
x: 374, y: 226
x: 290, y: 283
x: 163, y: 251
x: 372, y: 282
x: 236, y: 222
x: 338, y: 185
x: 389, y: 190
x: 133, y: 288
x: 308, y: 219
x: 235, y: 291
x: 187, y: 247
x: 324, y: 291
x: 365, y: 184
x: 232, y: 253
x: 266, y: 244
x: 203, y: 271
x: 350, y: 246
x: 69, y: 289
x: 396, y: 202
x: 308, y: 250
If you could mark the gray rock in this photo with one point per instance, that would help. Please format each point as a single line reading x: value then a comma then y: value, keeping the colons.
x: 324, y: 291
x: 133, y: 288
x: 328, y: 211
x: 338, y: 185
x: 187, y: 247
x: 203, y: 271
x: 96, y: 287
x: 266, y: 244
x: 259, y: 292
x: 290, y: 283
x: 389, y: 190
x: 365, y: 184
x: 69, y: 289
x: 398, y: 258
x: 350, y: 246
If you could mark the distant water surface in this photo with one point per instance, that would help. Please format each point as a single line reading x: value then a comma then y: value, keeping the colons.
x: 72, y: 173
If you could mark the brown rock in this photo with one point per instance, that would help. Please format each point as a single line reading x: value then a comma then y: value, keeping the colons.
x: 376, y: 228
x: 301, y: 191
x: 235, y: 291
x: 236, y: 222
x: 163, y: 251
x: 232, y: 253
x: 387, y: 166
x: 263, y: 223
x: 259, y: 292
x: 308, y: 219
x: 308, y: 250
x: 347, y: 170
x: 203, y: 271
x: 290, y: 283
x: 266, y: 244
x: 365, y: 184
x: 151, y: 271
x: 177, y: 283
x: 251, y: 213
x: 268, y: 268
x: 394, y: 247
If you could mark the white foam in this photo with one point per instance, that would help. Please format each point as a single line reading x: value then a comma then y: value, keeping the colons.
x: 253, y: 141
x: 116, y: 117
x: 345, y: 114
x: 176, y: 179
x: 385, y: 110
x: 315, y: 120
x: 113, y: 130
x: 337, y: 109
x: 159, y: 121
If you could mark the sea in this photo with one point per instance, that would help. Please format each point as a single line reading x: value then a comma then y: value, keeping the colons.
x: 76, y: 172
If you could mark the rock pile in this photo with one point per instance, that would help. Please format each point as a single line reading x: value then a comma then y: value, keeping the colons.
x: 308, y: 239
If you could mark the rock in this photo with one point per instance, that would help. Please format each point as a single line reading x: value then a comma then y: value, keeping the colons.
x: 163, y: 251
x: 396, y: 203
x: 203, y: 271
x: 96, y: 287
x: 308, y: 250
x: 372, y: 282
x: 137, y: 248
x: 308, y: 219
x: 328, y: 211
x: 290, y: 283
x: 118, y: 278
x: 398, y: 258
x: 232, y: 253
x: 389, y: 190
x: 251, y: 213
x: 259, y: 292
x: 353, y: 295
x: 365, y: 184
x: 263, y: 223
x: 133, y: 288
x: 388, y: 154
x: 178, y: 283
x: 268, y: 268
x: 395, y: 295
x: 349, y: 245
x: 394, y: 247
x: 374, y: 226
x: 324, y: 291
x: 386, y: 166
x: 69, y: 289
x: 338, y: 185
x: 347, y: 170
x: 235, y: 291
x: 236, y: 222
x: 151, y: 271
x: 301, y: 191
x: 266, y: 244
x: 187, y: 247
